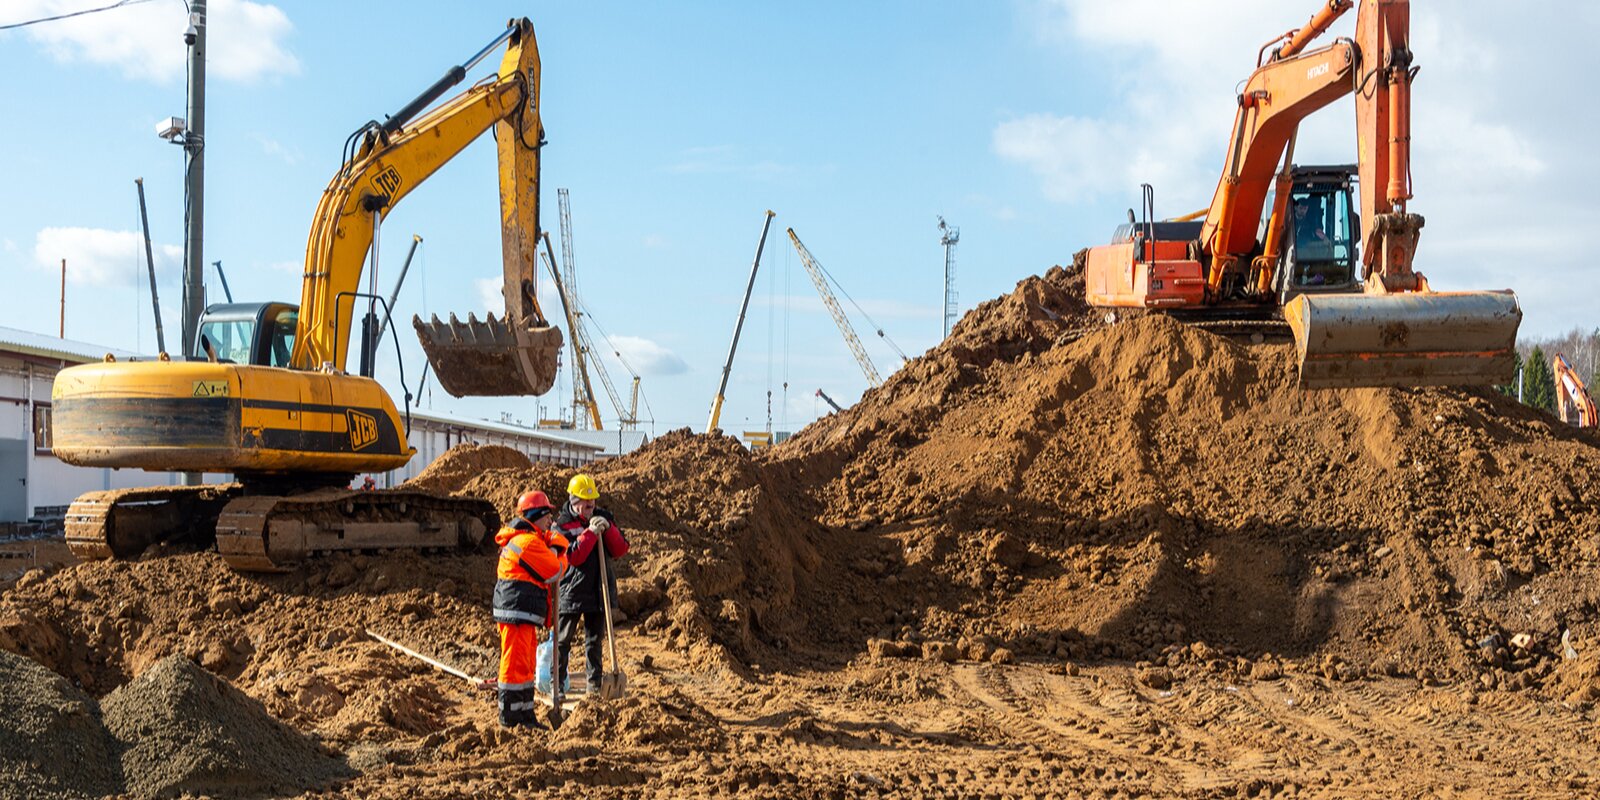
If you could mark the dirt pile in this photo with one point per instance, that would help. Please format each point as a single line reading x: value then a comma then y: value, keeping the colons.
x: 460, y: 464
x: 184, y: 730
x: 51, y: 741
x: 1153, y: 487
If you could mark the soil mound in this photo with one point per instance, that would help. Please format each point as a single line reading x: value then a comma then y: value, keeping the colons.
x: 51, y: 741
x: 187, y: 731
x: 1150, y: 486
x: 460, y: 464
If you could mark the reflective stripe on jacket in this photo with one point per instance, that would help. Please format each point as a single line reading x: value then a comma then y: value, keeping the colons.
x: 529, y: 570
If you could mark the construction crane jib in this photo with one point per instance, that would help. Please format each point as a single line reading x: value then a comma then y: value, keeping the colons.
x: 838, y: 313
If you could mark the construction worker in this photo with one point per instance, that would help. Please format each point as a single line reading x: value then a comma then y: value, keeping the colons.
x: 585, y: 524
x: 527, y: 582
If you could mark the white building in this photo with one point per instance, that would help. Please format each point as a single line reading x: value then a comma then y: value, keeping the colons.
x: 35, y: 485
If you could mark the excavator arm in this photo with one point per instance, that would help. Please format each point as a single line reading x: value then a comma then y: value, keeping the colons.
x: 1398, y: 331
x: 516, y: 355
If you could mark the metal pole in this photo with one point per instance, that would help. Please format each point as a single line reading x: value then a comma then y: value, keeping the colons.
x: 716, y: 404
x: 395, y: 294
x: 194, y: 193
x: 226, y: 292
x: 62, y: 334
x: 194, y: 142
x: 150, y: 260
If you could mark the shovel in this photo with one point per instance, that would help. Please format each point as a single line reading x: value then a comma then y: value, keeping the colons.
x: 613, y: 683
x: 554, y: 715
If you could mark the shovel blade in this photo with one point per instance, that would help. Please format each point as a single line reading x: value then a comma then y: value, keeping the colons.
x: 613, y: 685
x: 1410, y: 339
x: 490, y: 358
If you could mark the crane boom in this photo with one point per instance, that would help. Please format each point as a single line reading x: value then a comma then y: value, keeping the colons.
x: 839, y: 318
x: 738, y: 326
x: 572, y: 327
x: 829, y: 400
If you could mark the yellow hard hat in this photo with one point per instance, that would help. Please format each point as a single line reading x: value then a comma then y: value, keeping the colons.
x: 582, y: 486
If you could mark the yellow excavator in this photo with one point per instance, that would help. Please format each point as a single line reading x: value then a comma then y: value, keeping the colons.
x: 262, y: 392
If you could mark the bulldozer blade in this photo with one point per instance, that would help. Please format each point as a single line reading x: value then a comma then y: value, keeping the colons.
x: 491, y: 358
x: 1414, y: 339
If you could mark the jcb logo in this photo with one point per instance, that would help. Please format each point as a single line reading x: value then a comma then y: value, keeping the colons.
x: 363, y: 429
x: 387, y: 182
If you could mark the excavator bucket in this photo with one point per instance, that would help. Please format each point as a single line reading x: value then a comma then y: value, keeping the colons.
x: 1407, y: 339
x: 490, y: 358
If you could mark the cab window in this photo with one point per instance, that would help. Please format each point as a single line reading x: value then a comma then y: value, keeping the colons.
x: 230, y: 339
x: 1323, y: 252
x: 280, y: 337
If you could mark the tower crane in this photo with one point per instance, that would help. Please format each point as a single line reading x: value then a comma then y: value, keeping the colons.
x: 850, y: 338
x: 581, y: 376
x: 583, y: 346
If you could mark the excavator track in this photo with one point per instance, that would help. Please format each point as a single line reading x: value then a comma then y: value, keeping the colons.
x: 122, y: 523
x: 275, y: 533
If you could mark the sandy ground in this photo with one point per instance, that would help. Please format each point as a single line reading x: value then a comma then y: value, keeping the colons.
x: 1051, y: 557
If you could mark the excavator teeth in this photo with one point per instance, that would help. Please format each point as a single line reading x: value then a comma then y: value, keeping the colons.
x: 490, y: 357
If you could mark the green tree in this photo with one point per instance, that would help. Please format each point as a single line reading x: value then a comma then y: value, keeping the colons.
x: 1538, y: 384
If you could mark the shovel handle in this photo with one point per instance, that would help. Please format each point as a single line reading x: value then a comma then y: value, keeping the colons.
x: 605, y: 601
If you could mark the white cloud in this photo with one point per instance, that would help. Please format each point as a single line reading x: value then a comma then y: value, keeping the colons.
x: 646, y: 356
x: 245, y: 40
x: 99, y: 257
x: 655, y: 241
x: 276, y: 149
x: 11, y: 247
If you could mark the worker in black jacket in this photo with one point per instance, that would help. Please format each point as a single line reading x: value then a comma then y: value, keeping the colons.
x: 585, y: 525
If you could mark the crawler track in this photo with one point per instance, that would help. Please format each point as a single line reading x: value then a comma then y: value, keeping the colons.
x: 273, y: 534
x: 122, y: 523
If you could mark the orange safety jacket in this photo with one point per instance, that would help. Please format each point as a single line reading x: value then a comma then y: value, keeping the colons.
x: 530, y: 568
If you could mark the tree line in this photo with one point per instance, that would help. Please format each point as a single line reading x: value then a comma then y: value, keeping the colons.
x: 1535, y: 377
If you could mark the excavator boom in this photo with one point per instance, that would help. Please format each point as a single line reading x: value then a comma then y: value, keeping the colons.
x: 513, y: 355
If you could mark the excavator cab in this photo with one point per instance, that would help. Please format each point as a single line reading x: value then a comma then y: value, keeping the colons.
x: 261, y: 334
x: 1321, y: 232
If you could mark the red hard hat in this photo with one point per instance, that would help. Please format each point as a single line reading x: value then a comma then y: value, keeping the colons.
x: 533, y: 500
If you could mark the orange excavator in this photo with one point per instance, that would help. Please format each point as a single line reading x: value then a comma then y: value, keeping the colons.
x: 1336, y: 269
x: 1573, y: 404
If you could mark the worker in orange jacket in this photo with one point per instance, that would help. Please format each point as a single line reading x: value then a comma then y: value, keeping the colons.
x: 532, y: 561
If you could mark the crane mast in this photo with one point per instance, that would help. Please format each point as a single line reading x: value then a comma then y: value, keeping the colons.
x: 850, y: 338
x: 582, y: 390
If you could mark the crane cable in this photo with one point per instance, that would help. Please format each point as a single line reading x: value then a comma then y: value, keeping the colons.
x: 864, y: 314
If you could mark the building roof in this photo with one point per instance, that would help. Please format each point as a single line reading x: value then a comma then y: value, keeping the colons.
x: 14, y: 340
x: 509, y: 429
x: 618, y: 442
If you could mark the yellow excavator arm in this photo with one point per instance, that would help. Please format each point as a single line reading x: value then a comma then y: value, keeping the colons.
x: 516, y: 355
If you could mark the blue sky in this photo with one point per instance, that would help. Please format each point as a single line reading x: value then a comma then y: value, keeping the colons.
x: 1028, y: 124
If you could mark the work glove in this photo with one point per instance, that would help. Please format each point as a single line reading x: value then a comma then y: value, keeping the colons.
x: 599, y: 524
